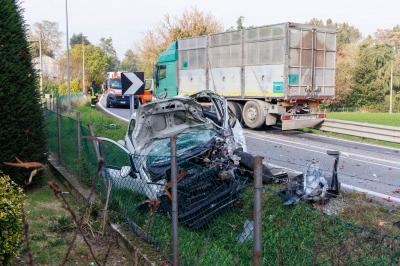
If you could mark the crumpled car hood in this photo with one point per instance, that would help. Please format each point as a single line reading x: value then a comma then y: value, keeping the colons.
x: 166, y: 118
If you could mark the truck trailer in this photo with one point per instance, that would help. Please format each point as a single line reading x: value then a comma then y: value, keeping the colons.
x: 271, y: 73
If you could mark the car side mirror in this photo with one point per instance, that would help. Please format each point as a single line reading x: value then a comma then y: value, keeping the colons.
x: 125, y: 171
x: 162, y: 95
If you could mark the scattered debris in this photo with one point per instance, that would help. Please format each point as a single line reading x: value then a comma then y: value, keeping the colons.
x: 312, y: 186
x: 247, y: 233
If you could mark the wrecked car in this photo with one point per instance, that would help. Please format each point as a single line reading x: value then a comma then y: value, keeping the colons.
x: 211, y: 156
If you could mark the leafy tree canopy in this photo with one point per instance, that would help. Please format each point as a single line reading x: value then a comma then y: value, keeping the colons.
x: 77, y: 39
x: 130, y: 63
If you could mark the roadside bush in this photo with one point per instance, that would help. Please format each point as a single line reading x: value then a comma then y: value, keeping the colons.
x: 75, y: 87
x: 11, y: 200
x: 50, y: 87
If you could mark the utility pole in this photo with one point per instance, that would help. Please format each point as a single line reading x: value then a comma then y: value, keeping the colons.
x: 41, y: 63
x: 83, y: 66
x: 391, y: 82
x: 68, y: 70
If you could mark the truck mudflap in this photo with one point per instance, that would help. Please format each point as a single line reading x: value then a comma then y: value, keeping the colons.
x: 291, y: 121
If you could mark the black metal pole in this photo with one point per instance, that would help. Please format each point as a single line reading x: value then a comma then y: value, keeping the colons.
x: 58, y: 112
x: 175, y: 241
x: 257, y: 254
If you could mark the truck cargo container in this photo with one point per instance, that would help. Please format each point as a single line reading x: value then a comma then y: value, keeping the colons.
x: 272, y: 73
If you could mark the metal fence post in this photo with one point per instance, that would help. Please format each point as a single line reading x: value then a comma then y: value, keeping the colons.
x: 58, y: 130
x: 257, y: 245
x: 95, y: 142
x: 78, y: 139
x: 174, y: 202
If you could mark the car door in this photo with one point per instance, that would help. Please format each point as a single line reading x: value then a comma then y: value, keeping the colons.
x: 119, y: 169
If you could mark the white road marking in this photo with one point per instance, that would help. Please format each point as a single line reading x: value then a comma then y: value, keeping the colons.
x: 305, y: 149
x: 109, y: 112
x: 275, y: 139
x: 353, y: 141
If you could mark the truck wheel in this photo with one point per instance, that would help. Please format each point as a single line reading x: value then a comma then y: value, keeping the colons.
x: 253, y: 113
x: 236, y: 108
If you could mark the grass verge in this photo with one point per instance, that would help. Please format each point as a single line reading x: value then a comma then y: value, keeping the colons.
x: 371, y: 118
x: 51, y: 230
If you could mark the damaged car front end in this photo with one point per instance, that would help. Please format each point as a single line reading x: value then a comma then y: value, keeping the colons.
x: 209, y: 144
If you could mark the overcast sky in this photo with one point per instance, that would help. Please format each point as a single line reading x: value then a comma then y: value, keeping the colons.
x: 126, y: 20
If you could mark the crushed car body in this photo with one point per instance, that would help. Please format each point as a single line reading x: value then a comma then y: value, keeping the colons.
x: 211, y: 156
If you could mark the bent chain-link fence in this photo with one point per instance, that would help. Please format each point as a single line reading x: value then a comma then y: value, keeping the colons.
x: 208, y: 233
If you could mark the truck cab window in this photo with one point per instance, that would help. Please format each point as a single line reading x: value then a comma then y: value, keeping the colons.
x: 162, y: 72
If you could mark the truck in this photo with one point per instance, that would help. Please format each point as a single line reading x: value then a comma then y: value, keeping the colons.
x: 113, y: 92
x: 274, y: 74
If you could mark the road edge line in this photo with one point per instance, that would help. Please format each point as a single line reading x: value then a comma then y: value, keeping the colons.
x: 104, y: 109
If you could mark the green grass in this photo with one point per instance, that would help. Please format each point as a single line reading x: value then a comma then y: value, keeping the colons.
x: 372, y: 118
x: 51, y: 230
x: 104, y: 126
x: 44, y: 214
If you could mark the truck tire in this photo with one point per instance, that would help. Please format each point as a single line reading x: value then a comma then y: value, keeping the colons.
x: 237, y: 109
x: 253, y: 113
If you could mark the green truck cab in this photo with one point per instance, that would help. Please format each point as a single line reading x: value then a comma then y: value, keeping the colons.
x: 165, y: 72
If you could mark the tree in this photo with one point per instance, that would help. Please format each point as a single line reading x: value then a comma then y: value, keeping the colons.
x: 192, y: 23
x: 130, y: 63
x: 106, y: 45
x: 96, y: 63
x: 77, y: 39
x: 239, y: 23
x: 50, y: 38
x: 316, y: 22
x: 347, y: 33
x: 346, y: 64
x: 371, y: 74
x: 23, y: 127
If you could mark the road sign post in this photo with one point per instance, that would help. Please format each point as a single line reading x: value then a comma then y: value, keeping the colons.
x: 132, y: 84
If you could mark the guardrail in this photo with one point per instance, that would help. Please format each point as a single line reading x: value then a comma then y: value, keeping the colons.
x: 364, y: 130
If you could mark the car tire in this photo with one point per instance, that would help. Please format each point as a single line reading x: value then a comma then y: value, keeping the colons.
x: 237, y: 109
x: 108, y: 105
x: 253, y: 113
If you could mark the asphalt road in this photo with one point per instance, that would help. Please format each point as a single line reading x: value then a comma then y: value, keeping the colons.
x: 364, y: 167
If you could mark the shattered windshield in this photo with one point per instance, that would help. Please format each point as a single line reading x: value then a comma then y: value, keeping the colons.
x: 186, y: 143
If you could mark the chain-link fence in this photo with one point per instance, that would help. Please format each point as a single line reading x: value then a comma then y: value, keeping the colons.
x: 220, y: 220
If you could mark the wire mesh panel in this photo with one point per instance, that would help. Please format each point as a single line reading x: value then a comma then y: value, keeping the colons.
x: 52, y: 131
x: 69, y: 151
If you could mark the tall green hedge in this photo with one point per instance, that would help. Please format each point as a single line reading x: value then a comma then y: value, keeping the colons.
x: 11, y: 200
x: 22, y: 124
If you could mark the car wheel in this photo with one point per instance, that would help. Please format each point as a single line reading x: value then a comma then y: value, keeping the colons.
x: 237, y: 109
x: 253, y: 113
x: 108, y: 104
